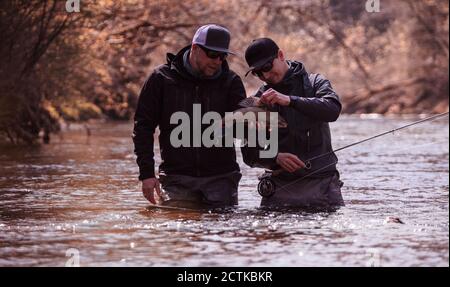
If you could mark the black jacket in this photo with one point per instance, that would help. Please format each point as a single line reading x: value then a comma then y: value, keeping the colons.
x: 313, y: 104
x: 170, y: 88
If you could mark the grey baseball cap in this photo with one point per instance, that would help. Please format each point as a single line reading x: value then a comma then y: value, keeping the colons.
x: 213, y: 37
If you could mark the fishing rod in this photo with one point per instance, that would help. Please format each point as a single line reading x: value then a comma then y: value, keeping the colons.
x: 308, y: 162
x: 266, y: 187
x: 166, y: 207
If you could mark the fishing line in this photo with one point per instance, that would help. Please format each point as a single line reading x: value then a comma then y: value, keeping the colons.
x: 432, y: 118
x: 309, y: 165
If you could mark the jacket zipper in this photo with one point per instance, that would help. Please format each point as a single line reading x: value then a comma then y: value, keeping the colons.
x: 308, y: 141
x: 197, y: 149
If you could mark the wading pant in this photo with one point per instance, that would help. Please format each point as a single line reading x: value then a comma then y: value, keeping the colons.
x: 308, y: 193
x: 201, y: 192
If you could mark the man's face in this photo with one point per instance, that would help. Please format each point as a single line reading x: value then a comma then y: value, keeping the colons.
x: 207, y: 65
x: 276, y: 73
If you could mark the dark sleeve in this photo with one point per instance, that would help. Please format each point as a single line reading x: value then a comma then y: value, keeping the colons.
x: 250, y: 155
x: 237, y: 93
x: 146, y: 120
x: 325, y: 106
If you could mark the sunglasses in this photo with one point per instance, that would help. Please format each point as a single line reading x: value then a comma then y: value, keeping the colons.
x: 264, y: 69
x: 214, y: 54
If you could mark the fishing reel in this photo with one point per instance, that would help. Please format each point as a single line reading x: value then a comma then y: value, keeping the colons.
x: 308, y: 165
x: 266, y: 186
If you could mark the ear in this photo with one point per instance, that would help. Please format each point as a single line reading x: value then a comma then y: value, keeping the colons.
x: 281, y: 55
x: 194, y: 48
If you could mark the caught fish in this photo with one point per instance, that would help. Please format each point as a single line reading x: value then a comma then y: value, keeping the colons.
x: 251, y: 102
x: 254, y: 114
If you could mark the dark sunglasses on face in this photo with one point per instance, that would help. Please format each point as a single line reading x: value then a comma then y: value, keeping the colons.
x: 214, y: 54
x: 265, y: 68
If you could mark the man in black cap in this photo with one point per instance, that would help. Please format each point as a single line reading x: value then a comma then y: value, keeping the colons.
x: 308, y: 103
x: 195, y: 175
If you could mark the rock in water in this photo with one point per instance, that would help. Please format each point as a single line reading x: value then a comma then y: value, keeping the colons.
x: 391, y: 219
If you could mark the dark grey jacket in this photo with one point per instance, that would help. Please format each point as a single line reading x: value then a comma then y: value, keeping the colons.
x: 313, y: 104
x: 169, y: 89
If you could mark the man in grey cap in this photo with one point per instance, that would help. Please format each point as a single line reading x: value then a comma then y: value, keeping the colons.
x: 306, y: 174
x: 191, y: 176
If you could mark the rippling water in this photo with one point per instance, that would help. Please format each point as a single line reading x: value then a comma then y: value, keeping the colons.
x: 80, y: 194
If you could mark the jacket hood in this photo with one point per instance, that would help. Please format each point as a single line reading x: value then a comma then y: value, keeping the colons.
x: 296, y: 71
x: 296, y: 68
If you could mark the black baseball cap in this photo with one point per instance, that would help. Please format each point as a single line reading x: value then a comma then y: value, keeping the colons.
x: 213, y: 37
x: 259, y: 52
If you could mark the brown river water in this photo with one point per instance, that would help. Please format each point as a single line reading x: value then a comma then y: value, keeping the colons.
x: 78, y: 200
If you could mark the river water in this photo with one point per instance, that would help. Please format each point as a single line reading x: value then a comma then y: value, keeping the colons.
x: 78, y: 200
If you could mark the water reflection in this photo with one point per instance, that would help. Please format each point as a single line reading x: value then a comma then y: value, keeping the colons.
x: 83, y: 194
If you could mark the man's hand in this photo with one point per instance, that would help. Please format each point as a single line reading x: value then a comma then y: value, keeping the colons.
x: 289, y: 162
x: 149, y: 186
x: 272, y: 97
